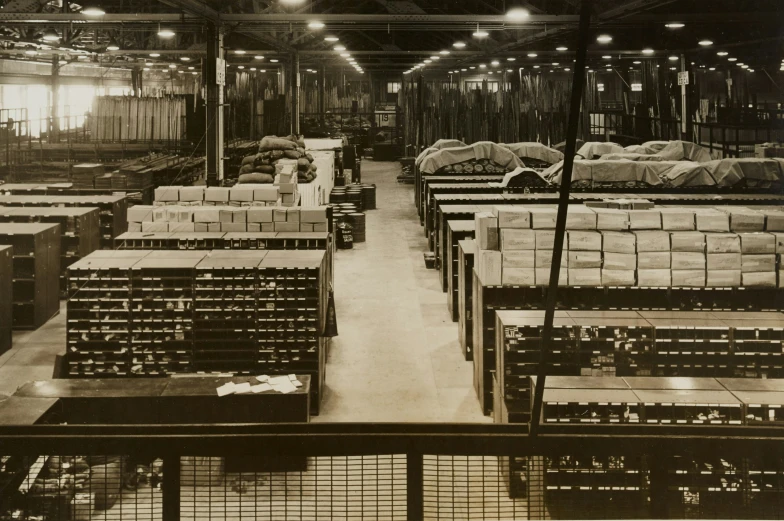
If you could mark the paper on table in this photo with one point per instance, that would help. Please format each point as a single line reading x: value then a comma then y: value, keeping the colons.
x: 296, y: 383
x: 276, y: 380
x: 292, y: 377
x: 260, y: 388
x: 262, y: 378
x: 242, y: 388
x: 226, y: 389
x: 284, y: 387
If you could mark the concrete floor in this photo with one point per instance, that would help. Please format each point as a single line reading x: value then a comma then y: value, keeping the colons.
x: 397, y: 357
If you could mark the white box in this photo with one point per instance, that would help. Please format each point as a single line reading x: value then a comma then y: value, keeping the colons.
x: 645, y: 220
x: 779, y: 242
x: 286, y: 227
x: 722, y: 243
x: 620, y: 261
x: 618, y: 277
x: 654, y: 260
x: 486, y: 231
x: 182, y: 227
x: 155, y: 227
x: 766, y: 279
x: 241, y: 193
x: 513, y: 239
x: 677, y: 219
x: 292, y: 215
x: 167, y: 193
x: 751, y: 263
x: 265, y: 193
x: 544, y: 258
x: 619, y: 242
x: 259, y: 214
x: 611, y: 219
x: 584, y: 259
x: 687, y: 241
x: 214, y: 227
x: 510, y: 216
x: 543, y: 277
x: 744, y: 219
x: 488, y: 264
x: 519, y: 259
x: 159, y: 214
x: 140, y: 213
x: 200, y: 227
x: 653, y: 241
x: 585, y: 277
x: 185, y: 214
x: 757, y: 243
x: 216, y: 194
x: 545, y: 240
x: 267, y: 227
x: 723, y: 261
x: 240, y: 215
x: 306, y: 227
x: 319, y: 227
x: 173, y: 213
x: 654, y: 278
x: 287, y: 188
x: 543, y: 217
x: 233, y: 227
x: 316, y: 214
x: 518, y: 276
x: 579, y: 217
x: 774, y: 220
x: 584, y: 240
x: 226, y: 214
x: 723, y: 278
x: 688, y: 278
x: 192, y: 193
x: 278, y: 214
x: 206, y: 214
x: 711, y: 220
x: 135, y: 227
x: 687, y: 260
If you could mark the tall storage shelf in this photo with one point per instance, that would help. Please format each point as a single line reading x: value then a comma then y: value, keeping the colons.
x: 36, y: 271
x: 79, y: 228
x: 149, y: 313
x: 113, y: 218
x: 6, y: 296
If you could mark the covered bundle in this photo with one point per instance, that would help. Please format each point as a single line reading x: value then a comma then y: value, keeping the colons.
x: 483, y: 157
x: 535, y: 154
x: 262, y: 167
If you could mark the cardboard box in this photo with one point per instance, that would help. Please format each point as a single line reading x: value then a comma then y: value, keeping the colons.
x: 259, y: 214
x: 135, y: 227
x: 167, y: 193
x: 722, y: 243
x: 206, y: 214
x: 645, y: 220
x: 241, y: 193
x: 486, y: 231
x: 306, y: 227
x: 518, y: 276
x: 316, y: 214
x: 751, y: 263
x: 543, y: 277
x: 619, y: 242
x: 774, y: 220
x: 185, y: 214
x: 585, y: 277
x: 687, y: 260
x: 723, y: 261
x: 687, y: 241
x: 286, y: 227
x: 159, y: 214
x: 519, y: 259
x: 723, y: 278
x: 319, y: 227
x: 173, y: 213
x: 267, y: 227
x: 584, y: 240
x: 677, y: 219
x: 233, y: 227
x: 619, y: 261
x: 200, y: 227
x: 779, y: 242
x: 488, y: 265
x: 240, y: 215
x: 611, y: 219
x: 216, y: 194
x: 226, y: 215
x: 265, y: 193
x: 711, y: 220
x: 192, y: 193
x: 618, y: 277
x: 279, y: 215
x: 654, y: 260
x: 765, y: 279
x: 688, y: 278
x: 653, y: 241
x: 584, y: 259
x: 654, y: 278
x: 182, y: 227
x: 292, y: 215
x: 287, y: 188
x: 757, y: 243
x: 253, y: 227
x: 543, y: 216
x: 215, y: 227
x: 513, y: 239
x: 545, y: 240
x: 579, y: 217
x: 744, y: 219
x: 140, y: 213
x: 512, y: 216
x: 155, y: 227
x: 544, y: 258
x: 287, y: 199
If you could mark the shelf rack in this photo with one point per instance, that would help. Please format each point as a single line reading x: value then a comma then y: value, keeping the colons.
x: 113, y: 217
x: 6, y: 296
x: 465, y: 295
x: 36, y: 271
x: 422, y: 183
x: 457, y: 231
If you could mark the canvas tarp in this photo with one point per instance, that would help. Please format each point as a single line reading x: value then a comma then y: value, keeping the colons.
x: 684, y: 151
x: 592, y: 149
x: 729, y: 172
x: 535, y: 151
x: 481, y: 150
x: 438, y: 145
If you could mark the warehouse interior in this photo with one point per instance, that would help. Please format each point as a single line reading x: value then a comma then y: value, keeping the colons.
x: 391, y: 259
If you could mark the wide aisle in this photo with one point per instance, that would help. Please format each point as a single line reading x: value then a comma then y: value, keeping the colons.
x: 397, y: 357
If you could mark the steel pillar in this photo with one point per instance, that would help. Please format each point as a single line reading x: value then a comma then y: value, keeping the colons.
x: 215, y: 80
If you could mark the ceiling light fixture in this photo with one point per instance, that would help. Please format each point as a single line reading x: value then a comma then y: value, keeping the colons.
x: 705, y: 43
x: 673, y: 58
x: 556, y: 64
x: 273, y: 60
x: 428, y: 61
x: 648, y: 51
x: 495, y: 63
x: 722, y: 53
x: 532, y: 55
x: 316, y: 25
x: 517, y: 14
x: 154, y: 55
x: 511, y: 59
x: 339, y: 48
x: 607, y: 57
x: 604, y: 38
x: 712, y: 69
x: 444, y: 53
x: 345, y: 55
x: 92, y: 10
x: 185, y: 58
x: 113, y: 47
x: 331, y: 38
x: 459, y: 45
x: 536, y: 66
x: 239, y: 51
x: 259, y: 57
x: 191, y: 68
x: 674, y: 25
x: 480, y: 33
x: 567, y: 69
x: 732, y: 59
x: 146, y: 69
x: 164, y: 32
x: 637, y: 62
x: 50, y: 35
x: 561, y: 48
x: 172, y: 66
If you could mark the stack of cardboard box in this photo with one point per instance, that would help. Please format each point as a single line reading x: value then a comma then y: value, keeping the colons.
x: 240, y: 195
x: 227, y: 219
x: 647, y: 247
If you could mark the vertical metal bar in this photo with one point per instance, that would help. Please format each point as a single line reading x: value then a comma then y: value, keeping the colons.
x: 415, y: 498
x: 171, y: 488
x: 578, y: 80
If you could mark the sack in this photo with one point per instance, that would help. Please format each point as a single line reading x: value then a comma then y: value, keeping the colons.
x: 309, y: 157
x: 247, y: 169
x: 256, y: 178
x: 269, y: 143
x: 313, y: 168
x: 248, y: 160
x: 263, y: 169
x: 292, y: 154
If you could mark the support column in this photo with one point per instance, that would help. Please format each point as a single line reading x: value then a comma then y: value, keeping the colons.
x: 215, y: 81
x: 685, y: 116
x: 295, y: 86
x: 322, y: 89
x: 54, y: 128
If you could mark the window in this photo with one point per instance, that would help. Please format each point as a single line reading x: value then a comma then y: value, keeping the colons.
x: 492, y: 86
x: 393, y: 87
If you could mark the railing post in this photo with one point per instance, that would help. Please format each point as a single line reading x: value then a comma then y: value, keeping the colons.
x: 415, y: 495
x: 171, y: 488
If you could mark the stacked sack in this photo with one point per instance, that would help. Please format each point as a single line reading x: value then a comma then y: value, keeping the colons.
x: 262, y: 167
x: 635, y: 245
